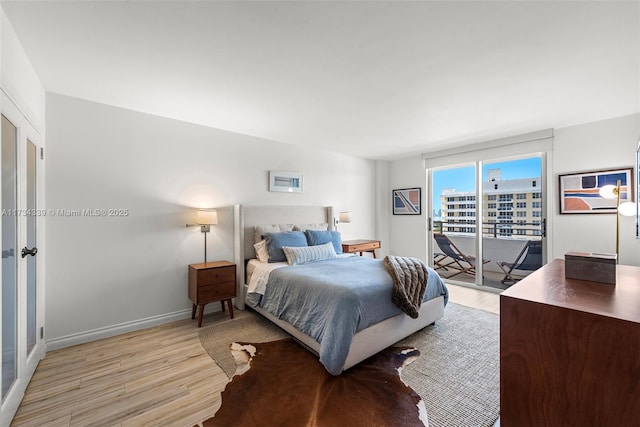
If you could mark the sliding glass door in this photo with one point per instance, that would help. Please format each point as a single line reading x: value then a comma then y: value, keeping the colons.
x: 487, y: 224
x: 513, y: 222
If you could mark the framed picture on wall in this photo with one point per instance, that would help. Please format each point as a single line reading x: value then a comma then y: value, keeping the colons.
x: 286, y: 182
x: 407, y: 201
x: 580, y: 192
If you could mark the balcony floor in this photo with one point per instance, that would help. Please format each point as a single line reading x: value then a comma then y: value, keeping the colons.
x: 491, y: 279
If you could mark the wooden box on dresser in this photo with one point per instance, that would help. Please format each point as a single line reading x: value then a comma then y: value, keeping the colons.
x: 570, y: 350
x: 210, y: 282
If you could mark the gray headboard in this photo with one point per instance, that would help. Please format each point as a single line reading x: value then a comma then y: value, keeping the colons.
x: 248, y: 216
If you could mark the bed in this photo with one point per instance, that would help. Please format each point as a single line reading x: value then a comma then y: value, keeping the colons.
x: 358, y: 335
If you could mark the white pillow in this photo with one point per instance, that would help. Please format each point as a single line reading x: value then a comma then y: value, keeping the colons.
x: 260, y: 230
x: 261, y: 251
x: 307, y: 254
x: 317, y: 227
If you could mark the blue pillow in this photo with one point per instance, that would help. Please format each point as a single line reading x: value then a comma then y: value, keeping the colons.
x: 276, y: 241
x: 315, y: 237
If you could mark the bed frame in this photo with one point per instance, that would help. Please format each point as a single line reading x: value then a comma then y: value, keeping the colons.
x: 366, y: 342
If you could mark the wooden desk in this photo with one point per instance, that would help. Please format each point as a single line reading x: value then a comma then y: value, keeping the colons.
x: 353, y: 246
x: 570, y: 350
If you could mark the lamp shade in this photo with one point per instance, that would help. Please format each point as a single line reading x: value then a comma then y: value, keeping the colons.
x: 608, y: 191
x: 345, y: 217
x: 207, y: 217
x: 627, y: 209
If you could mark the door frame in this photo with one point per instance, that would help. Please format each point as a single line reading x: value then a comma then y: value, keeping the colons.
x: 478, y: 244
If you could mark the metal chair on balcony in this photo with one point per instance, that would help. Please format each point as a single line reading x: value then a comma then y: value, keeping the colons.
x: 529, y: 259
x: 453, y: 258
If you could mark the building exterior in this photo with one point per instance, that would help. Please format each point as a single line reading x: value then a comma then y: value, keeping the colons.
x: 511, y: 208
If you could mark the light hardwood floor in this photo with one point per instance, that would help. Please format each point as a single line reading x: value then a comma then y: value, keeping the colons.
x: 159, y: 376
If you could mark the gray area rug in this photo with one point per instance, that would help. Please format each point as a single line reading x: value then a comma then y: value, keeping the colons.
x: 457, y: 373
x: 248, y: 327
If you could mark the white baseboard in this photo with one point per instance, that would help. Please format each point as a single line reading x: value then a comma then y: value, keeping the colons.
x: 121, y: 328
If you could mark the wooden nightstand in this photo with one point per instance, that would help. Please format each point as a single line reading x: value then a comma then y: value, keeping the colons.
x: 210, y: 282
x: 352, y: 246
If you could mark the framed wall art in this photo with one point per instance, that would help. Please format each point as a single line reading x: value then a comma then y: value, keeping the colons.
x: 407, y: 201
x: 287, y: 182
x: 580, y: 192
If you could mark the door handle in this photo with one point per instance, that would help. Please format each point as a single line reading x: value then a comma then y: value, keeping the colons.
x: 25, y: 251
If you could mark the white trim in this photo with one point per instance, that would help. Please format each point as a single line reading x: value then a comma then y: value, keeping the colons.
x: 540, y: 141
x: 121, y: 328
x: 8, y: 89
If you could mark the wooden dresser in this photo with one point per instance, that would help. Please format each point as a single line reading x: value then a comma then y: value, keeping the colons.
x: 570, y: 350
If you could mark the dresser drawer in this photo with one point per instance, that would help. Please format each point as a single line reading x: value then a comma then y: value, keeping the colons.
x: 216, y: 292
x: 212, y: 276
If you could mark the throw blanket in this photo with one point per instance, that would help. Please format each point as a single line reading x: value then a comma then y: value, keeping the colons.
x: 409, y: 282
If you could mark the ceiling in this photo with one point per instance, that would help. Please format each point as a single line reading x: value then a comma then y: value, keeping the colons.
x: 378, y: 80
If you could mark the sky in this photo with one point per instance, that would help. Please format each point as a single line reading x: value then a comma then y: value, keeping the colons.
x: 463, y: 178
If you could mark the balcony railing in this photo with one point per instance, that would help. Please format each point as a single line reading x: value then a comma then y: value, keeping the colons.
x: 492, y: 229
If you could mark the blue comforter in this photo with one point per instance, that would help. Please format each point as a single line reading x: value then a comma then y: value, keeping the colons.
x: 332, y: 300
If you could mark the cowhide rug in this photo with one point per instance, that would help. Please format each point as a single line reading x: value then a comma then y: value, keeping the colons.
x: 279, y: 383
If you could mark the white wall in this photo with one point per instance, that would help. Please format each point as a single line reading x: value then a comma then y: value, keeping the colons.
x: 408, y: 233
x: 383, y: 208
x: 106, y: 271
x: 593, y: 146
x: 18, y: 78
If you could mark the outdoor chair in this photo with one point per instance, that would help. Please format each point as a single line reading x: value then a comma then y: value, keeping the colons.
x: 453, y: 258
x: 529, y: 259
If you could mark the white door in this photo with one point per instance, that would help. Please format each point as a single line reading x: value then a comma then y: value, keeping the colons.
x: 21, y: 298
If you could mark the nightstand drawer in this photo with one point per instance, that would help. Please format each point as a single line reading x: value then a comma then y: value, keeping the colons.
x: 367, y: 246
x: 216, y: 292
x: 212, y: 276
